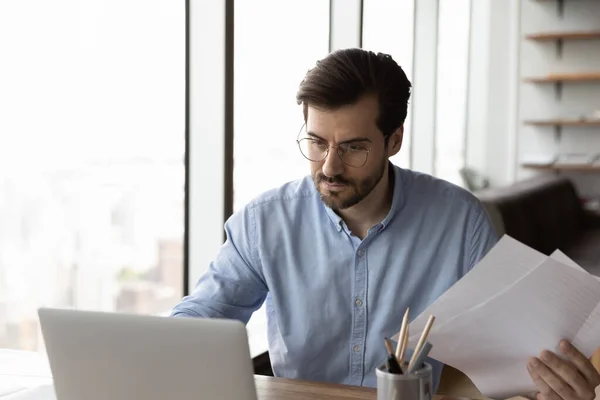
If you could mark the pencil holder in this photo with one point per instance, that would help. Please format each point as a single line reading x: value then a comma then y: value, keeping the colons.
x: 414, y: 386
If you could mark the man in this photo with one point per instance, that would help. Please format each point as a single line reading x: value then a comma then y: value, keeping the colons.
x: 340, y: 255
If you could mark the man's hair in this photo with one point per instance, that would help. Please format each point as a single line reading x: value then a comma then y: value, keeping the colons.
x: 345, y: 76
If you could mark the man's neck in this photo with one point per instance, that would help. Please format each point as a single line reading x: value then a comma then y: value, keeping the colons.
x: 372, y: 209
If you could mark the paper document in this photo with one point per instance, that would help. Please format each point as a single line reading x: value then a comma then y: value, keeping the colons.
x: 25, y: 375
x: 512, y: 305
x: 44, y: 392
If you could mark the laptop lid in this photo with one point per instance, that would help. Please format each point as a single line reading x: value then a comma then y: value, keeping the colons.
x: 100, y: 356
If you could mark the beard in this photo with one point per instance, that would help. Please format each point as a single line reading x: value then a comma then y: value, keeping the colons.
x: 354, y: 191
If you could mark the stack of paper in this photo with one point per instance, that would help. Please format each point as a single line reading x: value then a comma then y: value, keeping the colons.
x: 25, y: 375
x: 515, y: 303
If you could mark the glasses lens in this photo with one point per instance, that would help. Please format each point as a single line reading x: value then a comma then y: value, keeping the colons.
x: 314, y: 150
x: 354, y: 156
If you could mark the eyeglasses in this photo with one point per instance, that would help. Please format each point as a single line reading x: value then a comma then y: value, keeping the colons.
x: 317, y: 150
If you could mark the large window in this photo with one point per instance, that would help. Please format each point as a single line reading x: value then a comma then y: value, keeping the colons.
x: 452, y: 88
x: 276, y: 43
x: 388, y: 27
x: 91, y: 159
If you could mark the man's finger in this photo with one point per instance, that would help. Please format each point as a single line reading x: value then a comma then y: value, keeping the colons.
x: 551, y: 386
x: 532, y: 395
x: 580, y: 361
x: 568, y: 373
x: 545, y: 391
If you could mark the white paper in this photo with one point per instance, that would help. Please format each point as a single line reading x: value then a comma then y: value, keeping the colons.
x: 563, y: 258
x: 24, y: 376
x: 8, y: 388
x: 508, y: 261
x: 44, y: 392
x: 488, y: 326
x: 24, y: 363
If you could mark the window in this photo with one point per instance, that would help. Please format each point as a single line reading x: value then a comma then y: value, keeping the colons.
x: 388, y: 28
x: 276, y: 43
x: 91, y: 159
x: 451, y: 88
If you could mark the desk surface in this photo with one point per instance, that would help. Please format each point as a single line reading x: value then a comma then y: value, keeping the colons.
x: 269, y: 388
x: 27, y: 376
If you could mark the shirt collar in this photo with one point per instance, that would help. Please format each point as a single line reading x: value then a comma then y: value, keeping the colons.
x: 338, y: 222
x: 398, y: 197
x: 397, y: 201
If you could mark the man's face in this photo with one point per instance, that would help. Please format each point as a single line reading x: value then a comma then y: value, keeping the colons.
x: 341, y: 185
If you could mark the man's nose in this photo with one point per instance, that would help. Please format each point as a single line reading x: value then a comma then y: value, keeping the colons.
x: 333, y: 165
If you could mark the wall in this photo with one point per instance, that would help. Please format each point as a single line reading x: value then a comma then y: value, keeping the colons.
x: 539, y: 101
x: 499, y: 100
x: 492, y: 101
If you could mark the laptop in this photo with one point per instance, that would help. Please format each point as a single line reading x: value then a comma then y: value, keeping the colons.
x: 100, y: 356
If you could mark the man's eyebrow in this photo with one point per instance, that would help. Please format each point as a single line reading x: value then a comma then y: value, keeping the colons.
x: 353, y: 140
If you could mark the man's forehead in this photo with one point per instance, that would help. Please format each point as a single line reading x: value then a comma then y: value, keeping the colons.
x: 343, y: 122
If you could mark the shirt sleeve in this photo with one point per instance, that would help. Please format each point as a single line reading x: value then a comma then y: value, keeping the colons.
x: 482, y: 235
x: 233, y: 287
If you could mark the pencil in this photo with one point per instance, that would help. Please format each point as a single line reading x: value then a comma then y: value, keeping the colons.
x: 392, y: 363
x: 401, y: 346
x: 423, y: 353
x: 421, y: 341
x: 404, y: 347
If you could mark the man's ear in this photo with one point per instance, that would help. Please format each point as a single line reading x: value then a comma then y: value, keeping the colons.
x: 395, y: 141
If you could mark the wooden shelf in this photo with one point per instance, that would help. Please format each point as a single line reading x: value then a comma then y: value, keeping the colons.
x: 563, y: 122
x: 554, y: 78
x: 548, y: 36
x: 564, y: 167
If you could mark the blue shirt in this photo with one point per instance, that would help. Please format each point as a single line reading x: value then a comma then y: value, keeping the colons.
x: 331, y: 298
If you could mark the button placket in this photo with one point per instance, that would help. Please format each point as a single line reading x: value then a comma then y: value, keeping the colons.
x: 359, y: 326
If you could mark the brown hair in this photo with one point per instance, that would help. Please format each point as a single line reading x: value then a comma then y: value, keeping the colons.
x: 345, y: 76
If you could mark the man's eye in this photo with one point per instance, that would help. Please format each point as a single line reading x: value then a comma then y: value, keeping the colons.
x: 353, y: 148
x: 319, y: 145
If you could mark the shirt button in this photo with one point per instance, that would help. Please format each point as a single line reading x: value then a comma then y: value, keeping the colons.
x: 356, y: 348
x: 358, y: 302
x: 360, y: 253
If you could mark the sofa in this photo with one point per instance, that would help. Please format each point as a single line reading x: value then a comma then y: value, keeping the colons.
x: 546, y: 214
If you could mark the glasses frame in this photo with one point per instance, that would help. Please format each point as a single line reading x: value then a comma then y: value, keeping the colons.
x: 329, y: 147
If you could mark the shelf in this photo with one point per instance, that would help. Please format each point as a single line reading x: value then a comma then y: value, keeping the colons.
x: 557, y: 78
x: 563, y: 122
x: 564, y: 167
x: 548, y: 36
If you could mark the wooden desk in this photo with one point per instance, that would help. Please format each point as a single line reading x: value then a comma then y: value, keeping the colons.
x: 454, y: 385
x: 269, y: 388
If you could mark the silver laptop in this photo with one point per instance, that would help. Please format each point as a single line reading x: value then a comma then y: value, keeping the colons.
x: 100, y: 356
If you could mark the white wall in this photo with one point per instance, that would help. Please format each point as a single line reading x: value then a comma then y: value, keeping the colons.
x: 540, y: 102
x: 499, y: 100
x: 493, y: 102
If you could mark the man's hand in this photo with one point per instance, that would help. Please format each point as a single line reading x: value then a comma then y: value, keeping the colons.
x: 556, y: 378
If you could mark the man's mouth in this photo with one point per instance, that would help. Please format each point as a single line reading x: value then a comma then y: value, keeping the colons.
x: 333, y: 185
